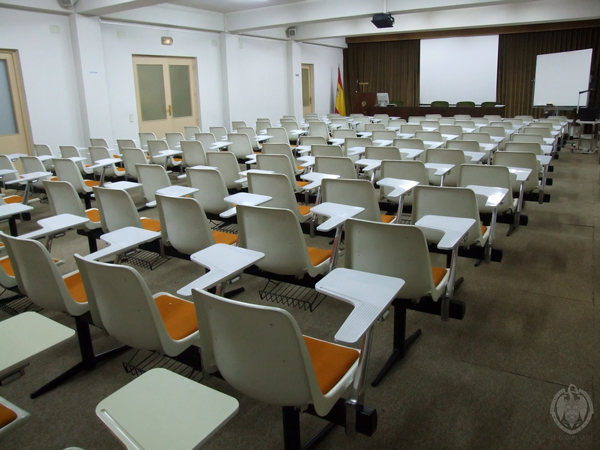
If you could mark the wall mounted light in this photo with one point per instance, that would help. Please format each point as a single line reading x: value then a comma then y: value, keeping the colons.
x: 166, y: 40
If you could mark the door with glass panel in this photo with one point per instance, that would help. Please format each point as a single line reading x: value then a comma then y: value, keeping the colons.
x: 14, y: 129
x: 167, y: 93
x: 307, y: 89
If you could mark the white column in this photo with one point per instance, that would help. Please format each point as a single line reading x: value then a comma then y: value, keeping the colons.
x: 294, y: 54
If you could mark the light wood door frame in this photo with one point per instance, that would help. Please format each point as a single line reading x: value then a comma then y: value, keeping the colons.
x: 21, y: 141
x: 170, y: 123
x: 308, y: 71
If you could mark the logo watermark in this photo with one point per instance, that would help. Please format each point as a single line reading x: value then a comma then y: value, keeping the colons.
x: 571, y: 409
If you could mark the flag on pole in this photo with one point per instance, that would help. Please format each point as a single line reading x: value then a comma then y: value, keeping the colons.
x: 340, y: 103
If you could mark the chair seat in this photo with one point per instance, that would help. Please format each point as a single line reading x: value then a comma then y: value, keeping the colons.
x: 179, y: 316
x: 7, y: 266
x: 438, y: 274
x: 91, y: 183
x: 318, y: 255
x: 75, y: 286
x: 93, y: 214
x: 387, y: 219
x: 13, y: 199
x: 304, y: 210
x: 224, y: 238
x: 150, y: 224
x: 302, y: 183
x: 7, y: 416
x: 330, y: 361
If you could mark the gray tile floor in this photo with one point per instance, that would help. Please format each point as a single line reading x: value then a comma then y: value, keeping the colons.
x: 531, y: 329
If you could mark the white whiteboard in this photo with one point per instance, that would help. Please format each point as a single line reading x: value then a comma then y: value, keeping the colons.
x: 559, y: 77
x: 459, y: 69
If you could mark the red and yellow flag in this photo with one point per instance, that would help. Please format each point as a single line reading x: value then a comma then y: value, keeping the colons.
x: 340, y: 103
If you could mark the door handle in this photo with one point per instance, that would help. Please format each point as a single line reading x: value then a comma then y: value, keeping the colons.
x: 170, y: 111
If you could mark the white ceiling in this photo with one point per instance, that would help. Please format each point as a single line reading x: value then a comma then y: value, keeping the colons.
x: 229, y: 6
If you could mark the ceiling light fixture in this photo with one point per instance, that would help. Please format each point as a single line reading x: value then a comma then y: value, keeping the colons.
x: 166, y: 40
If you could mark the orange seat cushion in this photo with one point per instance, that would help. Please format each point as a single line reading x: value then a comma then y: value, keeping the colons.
x: 7, y: 266
x: 120, y: 170
x: 387, y: 219
x: 318, y: 255
x: 13, y: 199
x: 150, y: 224
x: 53, y: 178
x: 483, y: 229
x: 75, y: 286
x: 91, y: 183
x: 224, y: 238
x: 330, y: 361
x: 7, y: 416
x: 179, y: 316
x: 93, y: 214
x: 177, y: 159
x: 302, y: 183
x: 304, y: 210
x: 438, y: 274
x: 299, y: 168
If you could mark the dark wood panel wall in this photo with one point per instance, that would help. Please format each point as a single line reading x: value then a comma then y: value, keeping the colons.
x: 390, y: 63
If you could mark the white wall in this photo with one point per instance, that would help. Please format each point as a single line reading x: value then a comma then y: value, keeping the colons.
x: 326, y: 61
x: 48, y: 74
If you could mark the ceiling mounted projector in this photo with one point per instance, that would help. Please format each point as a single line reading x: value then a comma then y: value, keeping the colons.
x: 383, y: 20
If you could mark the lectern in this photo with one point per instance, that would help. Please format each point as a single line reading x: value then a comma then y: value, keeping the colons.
x: 363, y: 103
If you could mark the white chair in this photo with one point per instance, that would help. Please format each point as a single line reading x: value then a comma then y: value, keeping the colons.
x: 396, y: 122
x: 11, y: 417
x: 381, y: 153
x: 343, y: 133
x: 70, y: 151
x: 429, y: 123
x: 272, y: 362
x: 291, y: 126
x: 97, y: 153
x: 402, y: 170
x: 218, y: 132
x: 7, y: 164
x: 482, y: 138
x: 131, y: 158
x: 117, y: 211
x: 153, y: 177
x: 235, y: 124
x: 456, y: 130
x: 211, y: 189
x: 311, y: 140
x: 318, y: 129
x: 343, y: 123
x: 125, y: 143
x: 525, y: 160
x: 445, y: 156
x: 336, y: 165
x: 184, y: 226
x: 355, y: 193
x: 66, y: 170
x: 155, y: 146
x: 462, y: 116
x: 279, y: 163
x: 190, y: 132
x: 383, y: 117
x: 283, y: 149
x: 276, y: 232
x: 240, y: 146
x: 435, y: 136
x: 32, y: 164
x: 99, y: 142
x: 144, y: 138
x: 532, y: 147
x: 173, y: 140
x: 262, y: 125
x: 417, y: 144
x: 193, y: 153
x: 415, y: 119
x: 44, y: 150
x: 467, y: 146
x: 370, y: 127
x: 410, y: 127
x: 278, y: 187
x: 493, y: 176
x: 383, y: 135
x: 326, y: 150
x: 446, y: 121
x: 207, y: 140
x: 251, y: 135
x: 227, y: 164
x: 280, y: 136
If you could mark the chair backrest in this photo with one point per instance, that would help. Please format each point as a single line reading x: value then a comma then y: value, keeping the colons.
x: 218, y: 132
x: 383, y: 117
x: 374, y: 127
x: 542, y: 131
x: 211, y: 188
x: 465, y: 123
x: 326, y: 150
x: 467, y: 146
x: 318, y: 129
x: 311, y: 140
x: 279, y: 148
x: 485, y: 175
x: 155, y: 146
x: 343, y: 123
x: 153, y: 177
x: 415, y: 119
x: 125, y: 143
x: 409, y: 143
x: 251, y: 135
x: 173, y: 139
x: 131, y: 158
x: 445, y: 156
x: 258, y: 349
x: 241, y: 146
x: 482, y: 138
x: 396, y: 122
x: 235, y: 124
x: 262, y: 125
x: 207, y: 140
x: 373, y: 152
x: 353, y: 193
x: 116, y: 209
x: 447, y: 201
x: 357, y: 142
x: 63, y: 198
x: 493, y: 117
x: 276, y: 232
x: 531, y: 147
x: 343, y: 133
x: 493, y: 131
x: 193, y: 153
x: 42, y: 150
x: 280, y: 135
x: 337, y: 165
x: 98, y: 142
x: 479, y: 121
x: 466, y: 103
x: 429, y: 136
x: 403, y: 170
x: 507, y: 125
x: 126, y: 307
x: 39, y: 278
x: 384, y: 134
x: 66, y: 170
x: 278, y: 187
x: 183, y: 224
x: 462, y: 116
x: 290, y: 125
x: 361, y: 122
x: 392, y: 250
x: 430, y: 123
x: 145, y: 137
x: 7, y: 164
x: 522, y: 137
x: 190, y: 132
x: 32, y: 164
x: 519, y: 159
x: 410, y: 128
x: 227, y: 164
x: 451, y: 129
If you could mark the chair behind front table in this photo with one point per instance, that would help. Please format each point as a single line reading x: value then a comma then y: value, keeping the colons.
x: 190, y: 132
x: 117, y: 211
x: 403, y: 170
x: 66, y: 170
x: 97, y: 153
x: 211, y: 189
x: 228, y: 165
x: 337, y: 165
x: 493, y: 176
x: 193, y: 153
x: 70, y: 151
x: 445, y: 156
x: 184, y: 226
x: 153, y: 177
x: 276, y: 232
x: 131, y: 158
x: 44, y: 150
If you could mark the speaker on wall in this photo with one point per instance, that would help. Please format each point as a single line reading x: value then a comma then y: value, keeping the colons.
x: 291, y: 32
x: 383, y: 20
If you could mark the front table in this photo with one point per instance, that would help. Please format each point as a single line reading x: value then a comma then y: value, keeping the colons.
x: 243, y: 198
x: 55, y: 225
x: 121, y: 241
x: 401, y: 187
